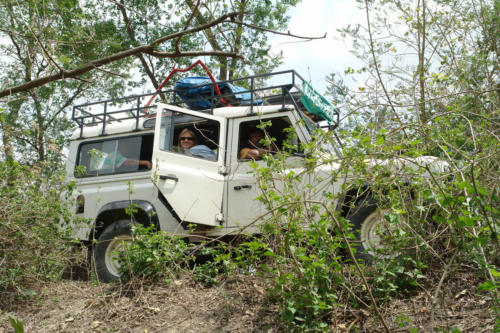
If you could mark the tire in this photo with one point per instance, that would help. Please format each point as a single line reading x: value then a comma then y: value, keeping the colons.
x: 109, y: 242
x: 370, y: 226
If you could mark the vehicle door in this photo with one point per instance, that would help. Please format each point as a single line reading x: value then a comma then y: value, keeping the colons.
x: 191, y: 179
x: 242, y: 185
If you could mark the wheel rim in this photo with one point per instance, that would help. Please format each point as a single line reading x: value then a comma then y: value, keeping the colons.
x: 374, y: 234
x: 111, y: 258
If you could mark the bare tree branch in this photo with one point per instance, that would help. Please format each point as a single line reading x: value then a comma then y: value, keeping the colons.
x: 209, y: 35
x: 375, y: 63
x: 159, y: 54
x: 256, y: 27
x: 67, y: 103
x: 188, y: 22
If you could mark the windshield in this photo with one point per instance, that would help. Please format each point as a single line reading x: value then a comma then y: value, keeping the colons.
x: 310, y: 125
x: 331, y: 147
x: 329, y: 143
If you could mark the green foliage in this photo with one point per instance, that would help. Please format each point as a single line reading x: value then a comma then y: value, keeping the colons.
x: 212, y: 261
x: 395, y: 276
x: 17, y: 325
x: 60, y: 36
x: 439, y: 214
x: 253, y: 43
x: 428, y: 215
x: 444, y: 55
x: 66, y: 35
x: 153, y: 255
x: 32, y: 245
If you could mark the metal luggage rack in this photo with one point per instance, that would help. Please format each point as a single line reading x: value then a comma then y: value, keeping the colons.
x: 134, y: 107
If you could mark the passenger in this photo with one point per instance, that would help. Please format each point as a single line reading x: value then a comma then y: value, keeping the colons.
x: 254, y: 148
x: 188, y: 145
x: 187, y: 140
x: 122, y: 160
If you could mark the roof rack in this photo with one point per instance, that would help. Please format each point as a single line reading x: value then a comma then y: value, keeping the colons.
x: 276, y: 88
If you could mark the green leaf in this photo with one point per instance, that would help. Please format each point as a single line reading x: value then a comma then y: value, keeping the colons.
x: 481, y: 191
x: 466, y: 221
x: 17, y: 325
x: 488, y: 285
x: 465, y: 185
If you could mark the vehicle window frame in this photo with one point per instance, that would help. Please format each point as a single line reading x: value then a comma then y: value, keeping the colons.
x: 116, y: 138
x: 285, y: 117
x: 177, y: 128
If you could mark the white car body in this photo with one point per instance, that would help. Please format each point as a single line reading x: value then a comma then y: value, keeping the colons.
x: 209, y: 191
x: 218, y: 194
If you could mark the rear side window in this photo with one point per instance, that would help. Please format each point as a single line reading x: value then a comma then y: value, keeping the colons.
x: 113, y: 156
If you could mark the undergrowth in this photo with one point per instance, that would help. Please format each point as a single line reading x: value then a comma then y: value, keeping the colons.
x: 33, y: 247
x: 309, y: 250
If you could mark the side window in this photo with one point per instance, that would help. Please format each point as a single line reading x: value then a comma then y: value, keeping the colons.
x: 115, y: 156
x: 189, y: 135
x: 253, y: 134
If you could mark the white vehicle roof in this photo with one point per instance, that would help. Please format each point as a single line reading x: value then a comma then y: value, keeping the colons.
x: 128, y: 114
x: 123, y: 126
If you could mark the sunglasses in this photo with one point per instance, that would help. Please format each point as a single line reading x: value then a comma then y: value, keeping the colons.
x: 186, y: 138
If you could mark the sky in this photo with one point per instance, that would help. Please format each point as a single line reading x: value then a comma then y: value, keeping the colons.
x: 315, y: 59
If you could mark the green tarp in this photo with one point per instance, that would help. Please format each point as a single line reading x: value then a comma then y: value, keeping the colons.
x: 315, y: 103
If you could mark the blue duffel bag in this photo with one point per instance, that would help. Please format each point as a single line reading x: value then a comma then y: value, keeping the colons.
x: 199, y: 93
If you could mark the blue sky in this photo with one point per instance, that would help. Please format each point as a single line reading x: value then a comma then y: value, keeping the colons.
x: 314, y: 60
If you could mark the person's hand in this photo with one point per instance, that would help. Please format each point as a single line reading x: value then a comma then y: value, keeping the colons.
x: 262, y: 151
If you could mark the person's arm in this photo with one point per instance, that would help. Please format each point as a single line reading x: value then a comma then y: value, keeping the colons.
x: 130, y: 161
x: 203, y: 152
x: 145, y: 163
x: 253, y: 153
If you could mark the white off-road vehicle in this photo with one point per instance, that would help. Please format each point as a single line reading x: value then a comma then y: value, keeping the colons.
x: 124, y: 156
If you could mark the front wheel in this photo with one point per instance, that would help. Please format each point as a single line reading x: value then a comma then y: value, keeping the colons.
x: 372, y: 231
x: 110, y: 243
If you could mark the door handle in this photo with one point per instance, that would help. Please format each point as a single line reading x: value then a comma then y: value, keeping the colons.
x: 171, y: 177
x: 240, y: 187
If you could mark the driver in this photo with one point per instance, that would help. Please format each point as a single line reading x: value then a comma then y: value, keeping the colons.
x: 254, y: 148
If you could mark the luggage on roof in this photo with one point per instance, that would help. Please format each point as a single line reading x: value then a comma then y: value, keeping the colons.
x: 199, y: 93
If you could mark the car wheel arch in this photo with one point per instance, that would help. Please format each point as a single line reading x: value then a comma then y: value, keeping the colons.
x: 143, y: 212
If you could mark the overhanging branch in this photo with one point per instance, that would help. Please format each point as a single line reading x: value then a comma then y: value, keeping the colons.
x: 288, y: 33
x: 149, y: 49
x: 159, y: 54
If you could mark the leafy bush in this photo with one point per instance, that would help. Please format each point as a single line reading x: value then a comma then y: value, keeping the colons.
x: 153, y: 255
x: 212, y: 261
x: 431, y: 217
x: 32, y: 246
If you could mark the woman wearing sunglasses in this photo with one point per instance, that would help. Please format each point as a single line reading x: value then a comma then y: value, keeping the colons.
x: 187, y: 140
x: 188, y: 145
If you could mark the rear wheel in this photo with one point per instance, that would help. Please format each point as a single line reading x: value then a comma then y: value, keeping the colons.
x: 110, y: 243
x: 372, y: 231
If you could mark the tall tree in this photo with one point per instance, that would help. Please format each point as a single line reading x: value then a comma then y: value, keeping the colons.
x: 420, y: 55
x: 266, y: 15
x: 40, y: 39
x: 57, y: 52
